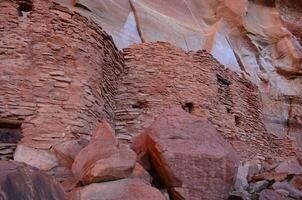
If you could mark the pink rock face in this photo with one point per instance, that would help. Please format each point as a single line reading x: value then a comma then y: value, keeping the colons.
x: 20, y: 181
x: 192, y: 159
x: 125, y: 189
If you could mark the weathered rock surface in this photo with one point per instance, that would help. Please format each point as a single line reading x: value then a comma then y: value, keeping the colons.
x: 103, y: 159
x: 125, y: 189
x: 190, y: 156
x: 39, y: 158
x: 270, y: 195
x: 19, y: 181
x: 291, y: 166
x: 293, y: 192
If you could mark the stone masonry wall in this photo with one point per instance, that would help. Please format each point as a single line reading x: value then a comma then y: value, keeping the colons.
x: 58, y: 72
x: 158, y: 75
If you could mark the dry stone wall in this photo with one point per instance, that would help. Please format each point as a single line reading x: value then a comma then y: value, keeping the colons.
x: 158, y: 75
x: 58, y: 72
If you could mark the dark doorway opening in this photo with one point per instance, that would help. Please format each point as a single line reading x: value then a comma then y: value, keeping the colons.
x: 10, y: 135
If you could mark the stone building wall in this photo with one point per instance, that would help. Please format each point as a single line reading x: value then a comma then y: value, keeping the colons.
x: 158, y: 75
x: 58, y: 73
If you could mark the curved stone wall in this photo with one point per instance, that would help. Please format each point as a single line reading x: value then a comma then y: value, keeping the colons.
x: 158, y: 75
x: 58, y: 73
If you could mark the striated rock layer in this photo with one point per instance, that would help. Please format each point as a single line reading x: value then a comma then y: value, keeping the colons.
x: 58, y: 76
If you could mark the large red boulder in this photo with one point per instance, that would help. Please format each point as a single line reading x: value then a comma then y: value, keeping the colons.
x: 192, y: 159
x: 19, y: 181
x: 103, y: 159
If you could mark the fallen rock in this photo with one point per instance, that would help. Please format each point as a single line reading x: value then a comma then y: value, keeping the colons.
x: 290, y: 167
x: 257, y: 187
x: 19, y: 181
x: 39, y: 158
x: 254, y: 167
x: 239, y: 195
x: 293, y: 192
x: 270, y: 195
x: 297, y: 182
x: 141, y: 173
x: 67, y: 151
x: 98, y: 147
x: 190, y: 156
x: 124, y: 189
x: 241, y: 178
x: 270, y: 176
x: 103, y: 159
x: 117, y: 166
x: 283, y: 192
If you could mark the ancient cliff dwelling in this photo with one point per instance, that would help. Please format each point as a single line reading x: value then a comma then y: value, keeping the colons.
x: 150, y: 100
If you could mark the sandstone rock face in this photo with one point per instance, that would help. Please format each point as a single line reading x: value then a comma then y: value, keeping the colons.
x: 158, y: 75
x: 191, y: 158
x: 58, y: 74
x: 125, y: 189
x: 22, y: 182
x: 103, y: 159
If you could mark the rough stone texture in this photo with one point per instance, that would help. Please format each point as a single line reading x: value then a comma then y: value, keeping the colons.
x: 125, y: 189
x: 9, y: 137
x: 22, y: 182
x: 291, y: 166
x: 158, y: 75
x: 192, y: 159
x: 270, y: 195
x: 103, y: 159
x: 118, y: 165
x: 58, y: 73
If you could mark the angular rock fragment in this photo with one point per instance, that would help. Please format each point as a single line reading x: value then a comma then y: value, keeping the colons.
x: 291, y: 166
x: 191, y: 158
x: 293, y: 192
x: 270, y: 195
x: 103, y: 159
x: 19, y: 181
x: 125, y: 189
x: 42, y: 159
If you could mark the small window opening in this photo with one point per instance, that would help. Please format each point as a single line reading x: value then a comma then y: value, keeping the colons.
x: 10, y: 135
x: 139, y: 105
x: 188, y: 107
x: 237, y: 119
x: 24, y: 8
x: 228, y: 109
